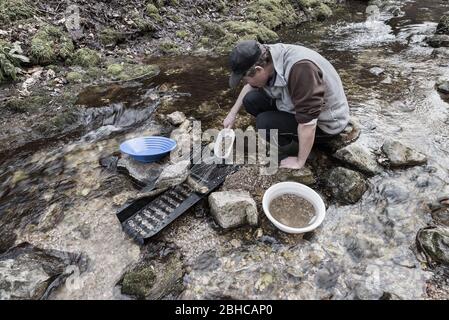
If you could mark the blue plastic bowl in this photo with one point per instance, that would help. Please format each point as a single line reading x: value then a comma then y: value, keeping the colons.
x: 148, y: 149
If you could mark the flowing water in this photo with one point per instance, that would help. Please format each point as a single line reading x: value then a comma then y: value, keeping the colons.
x: 59, y: 197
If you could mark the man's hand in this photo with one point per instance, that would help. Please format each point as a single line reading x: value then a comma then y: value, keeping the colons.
x: 229, y: 121
x: 292, y: 163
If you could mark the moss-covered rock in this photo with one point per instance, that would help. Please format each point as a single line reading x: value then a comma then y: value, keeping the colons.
x: 443, y: 25
x: 154, y: 279
x: 434, y: 242
x: 245, y: 30
x: 322, y: 12
x: 272, y: 13
x: 27, y: 104
x: 319, y: 10
x: 115, y: 69
x: 153, y: 12
x: 51, y: 44
x: 128, y: 71
x: 110, y: 37
x: 138, y: 282
x: 74, y: 76
x: 12, y: 10
x: 182, y: 34
x: 86, y: 57
x: 10, y: 59
x: 169, y: 47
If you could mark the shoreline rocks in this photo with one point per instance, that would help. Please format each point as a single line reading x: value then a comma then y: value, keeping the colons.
x: 400, y: 155
x: 360, y: 157
x: 346, y: 185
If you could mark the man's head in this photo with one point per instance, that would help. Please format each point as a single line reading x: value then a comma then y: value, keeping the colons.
x: 251, y: 62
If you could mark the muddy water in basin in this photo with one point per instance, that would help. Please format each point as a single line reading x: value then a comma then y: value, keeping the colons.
x: 59, y: 197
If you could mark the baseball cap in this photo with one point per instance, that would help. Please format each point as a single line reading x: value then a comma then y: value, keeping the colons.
x: 242, y: 58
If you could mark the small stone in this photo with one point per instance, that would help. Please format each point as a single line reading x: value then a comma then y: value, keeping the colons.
x: 377, y: 71
x: 236, y: 243
x: 85, y: 192
x: 401, y: 155
x: 233, y: 208
x: 346, y: 185
x: 360, y: 157
x: 176, y: 118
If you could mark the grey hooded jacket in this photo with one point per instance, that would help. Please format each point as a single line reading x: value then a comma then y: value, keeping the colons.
x: 334, y: 115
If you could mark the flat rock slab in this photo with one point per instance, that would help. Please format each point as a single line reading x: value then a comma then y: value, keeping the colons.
x: 142, y: 173
x: 27, y: 272
x: 400, y: 155
x: 360, y: 157
x: 233, y: 208
x: 346, y: 185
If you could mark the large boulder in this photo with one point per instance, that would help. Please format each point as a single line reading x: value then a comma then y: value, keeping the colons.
x: 173, y: 174
x: 345, y: 185
x: 400, y: 155
x: 233, y: 208
x: 434, y: 242
x: 27, y: 272
x: 360, y: 157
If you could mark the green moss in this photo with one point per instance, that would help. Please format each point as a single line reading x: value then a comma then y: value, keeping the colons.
x: 224, y: 36
x: 169, y: 47
x: 152, y: 9
x: 115, y: 69
x: 204, y: 41
x: 64, y: 119
x: 272, y: 13
x: 138, y: 282
x: 12, y: 10
x: 153, y: 12
x: 10, y: 59
x: 28, y: 104
x: 50, y: 44
x: 183, y: 34
x: 110, y: 37
x: 322, y: 12
x: 143, y: 24
x: 307, y: 4
x: 74, y: 76
x: 86, y: 57
x: 127, y: 71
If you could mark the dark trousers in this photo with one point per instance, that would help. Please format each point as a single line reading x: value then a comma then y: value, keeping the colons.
x: 261, y: 106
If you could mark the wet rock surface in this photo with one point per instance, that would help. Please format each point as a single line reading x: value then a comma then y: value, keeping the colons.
x: 360, y: 157
x: 158, y: 274
x: 400, y: 155
x: 233, y: 208
x: 346, y: 185
x: 434, y: 242
x: 27, y: 272
x: 142, y: 173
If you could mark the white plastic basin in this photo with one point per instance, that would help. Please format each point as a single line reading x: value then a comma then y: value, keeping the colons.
x: 300, y: 190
